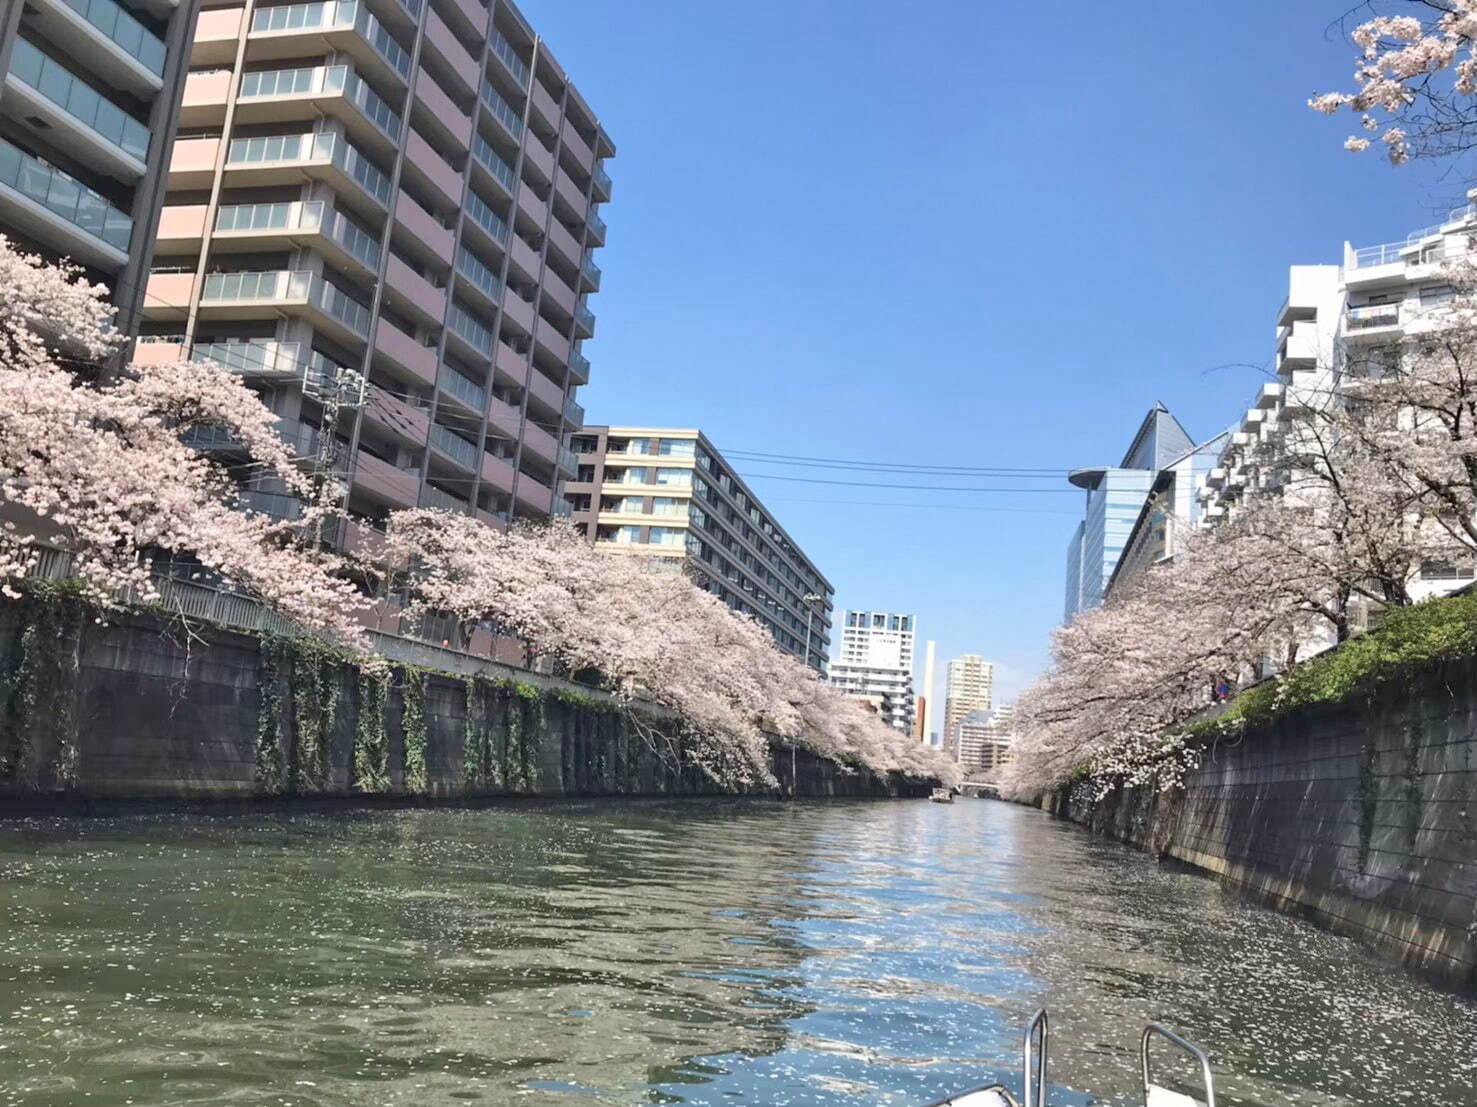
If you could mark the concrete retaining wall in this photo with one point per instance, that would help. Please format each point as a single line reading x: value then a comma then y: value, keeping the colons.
x: 1361, y: 816
x: 137, y: 709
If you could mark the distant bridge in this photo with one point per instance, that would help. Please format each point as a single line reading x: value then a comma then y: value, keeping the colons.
x: 980, y: 789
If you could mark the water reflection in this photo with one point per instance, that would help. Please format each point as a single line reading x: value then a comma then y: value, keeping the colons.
x: 855, y: 953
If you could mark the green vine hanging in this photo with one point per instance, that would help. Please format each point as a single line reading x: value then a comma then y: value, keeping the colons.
x: 371, y: 739
x: 413, y: 727
x: 271, y: 764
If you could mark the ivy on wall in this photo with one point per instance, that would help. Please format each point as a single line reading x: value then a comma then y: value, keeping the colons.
x: 413, y: 728
x: 40, y: 690
x: 371, y: 735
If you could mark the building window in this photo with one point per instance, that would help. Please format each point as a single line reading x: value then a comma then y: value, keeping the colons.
x: 676, y: 478
x: 677, y: 447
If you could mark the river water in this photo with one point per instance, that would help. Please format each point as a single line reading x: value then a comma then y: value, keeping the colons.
x: 632, y: 953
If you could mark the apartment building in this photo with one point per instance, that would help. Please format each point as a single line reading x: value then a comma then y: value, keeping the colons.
x: 984, y: 741
x: 876, y: 664
x: 384, y: 214
x: 667, y: 492
x: 1338, y: 321
x: 87, y: 116
x: 968, y: 687
x: 1115, y: 497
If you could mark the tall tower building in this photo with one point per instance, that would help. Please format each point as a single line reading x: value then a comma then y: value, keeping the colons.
x: 876, y: 664
x: 384, y: 213
x: 971, y: 681
x: 1115, y: 496
x: 87, y: 117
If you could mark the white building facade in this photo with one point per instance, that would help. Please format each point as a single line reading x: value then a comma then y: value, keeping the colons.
x: 876, y: 663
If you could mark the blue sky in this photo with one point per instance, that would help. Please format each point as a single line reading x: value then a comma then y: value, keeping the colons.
x: 964, y: 234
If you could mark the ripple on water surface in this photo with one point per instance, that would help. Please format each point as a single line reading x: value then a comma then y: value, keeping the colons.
x: 846, y: 953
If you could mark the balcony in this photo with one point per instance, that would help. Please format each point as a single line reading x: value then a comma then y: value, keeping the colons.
x: 277, y: 95
x: 584, y: 322
x: 453, y: 446
x: 569, y: 462
x: 539, y: 443
x: 254, y: 357
x: 504, y: 419
x: 596, y: 227
x: 426, y: 166
x: 507, y: 53
x: 579, y: 368
x: 294, y: 30
x: 62, y: 210
x: 217, y: 31
x: 407, y: 422
x: 487, y: 221
x: 441, y: 42
x: 437, y: 114
x: 426, y: 235
x: 553, y: 343
x: 1270, y: 396
x: 477, y: 338
x: 402, y: 355
x: 532, y: 495
x: 243, y: 295
x: 589, y: 275
x: 602, y: 184
x: 577, y: 151
x: 502, y: 111
x: 500, y: 171
x: 107, y: 38
x: 498, y: 473
x: 571, y: 193
x: 385, y: 483
x: 46, y: 89
x: 574, y: 412
x: 293, y: 224
x: 286, y: 159
x: 463, y: 389
x: 1372, y: 320
x: 440, y: 500
x: 192, y: 162
x: 412, y: 292
x: 548, y: 394
x: 476, y: 276
x: 511, y: 364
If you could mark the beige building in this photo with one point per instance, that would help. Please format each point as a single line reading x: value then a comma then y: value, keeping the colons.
x: 384, y: 215
x: 984, y: 741
x: 969, y: 687
x: 667, y: 492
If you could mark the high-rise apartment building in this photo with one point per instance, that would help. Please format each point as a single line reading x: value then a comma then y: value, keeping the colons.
x: 876, y: 663
x: 1340, y: 321
x: 667, y: 492
x: 1115, y: 496
x: 969, y: 686
x: 384, y: 213
x: 87, y: 116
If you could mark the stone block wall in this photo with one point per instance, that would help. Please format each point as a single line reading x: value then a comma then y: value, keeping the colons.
x: 1361, y: 816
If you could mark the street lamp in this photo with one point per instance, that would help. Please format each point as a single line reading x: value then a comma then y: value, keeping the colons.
x: 810, y: 599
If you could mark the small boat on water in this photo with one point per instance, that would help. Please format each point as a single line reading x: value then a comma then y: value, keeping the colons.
x: 942, y: 795
x: 1033, y: 1074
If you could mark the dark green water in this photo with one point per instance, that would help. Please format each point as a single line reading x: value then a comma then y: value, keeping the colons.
x: 845, y: 953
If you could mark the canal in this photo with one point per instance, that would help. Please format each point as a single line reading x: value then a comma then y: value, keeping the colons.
x: 633, y: 953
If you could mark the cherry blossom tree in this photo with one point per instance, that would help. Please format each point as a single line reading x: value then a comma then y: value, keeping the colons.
x: 1415, y: 79
x: 651, y: 634
x: 97, y: 466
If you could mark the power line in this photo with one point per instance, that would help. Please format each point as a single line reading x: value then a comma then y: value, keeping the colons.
x: 833, y: 462
x: 919, y: 487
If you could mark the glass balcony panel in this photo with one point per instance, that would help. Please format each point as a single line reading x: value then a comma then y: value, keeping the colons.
x: 489, y: 220
x: 119, y: 25
x: 505, y: 50
x: 471, y: 267
x: 369, y: 102
x: 463, y: 388
x: 64, y: 196
x: 494, y: 164
x: 502, y: 109
x: 455, y: 446
x: 78, y: 99
x: 342, y: 306
x: 479, y: 337
x: 354, y: 238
